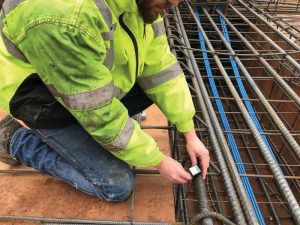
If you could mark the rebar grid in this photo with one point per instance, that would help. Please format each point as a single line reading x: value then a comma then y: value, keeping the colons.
x: 286, y: 22
x: 274, y: 69
x: 264, y: 65
x: 287, y: 6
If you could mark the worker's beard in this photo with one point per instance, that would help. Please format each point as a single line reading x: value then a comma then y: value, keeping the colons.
x: 147, y: 10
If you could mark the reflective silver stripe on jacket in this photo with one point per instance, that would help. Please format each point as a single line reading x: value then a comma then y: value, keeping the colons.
x: 109, y: 58
x: 7, y: 7
x: 158, y: 28
x: 161, y: 77
x: 121, y: 141
x: 107, y: 15
x: 119, y: 93
x: 86, y: 100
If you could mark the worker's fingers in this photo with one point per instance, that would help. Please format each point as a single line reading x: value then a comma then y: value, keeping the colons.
x: 182, y: 173
x: 186, y: 175
x: 193, y: 158
x: 180, y: 180
x: 204, y: 165
x: 181, y: 176
x: 173, y: 170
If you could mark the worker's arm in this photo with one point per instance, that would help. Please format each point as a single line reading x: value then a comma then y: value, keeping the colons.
x: 164, y: 82
x: 70, y: 62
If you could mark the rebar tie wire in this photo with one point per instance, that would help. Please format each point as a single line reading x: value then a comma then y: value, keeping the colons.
x: 280, y: 180
x: 225, y: 174
x: 225, y: 122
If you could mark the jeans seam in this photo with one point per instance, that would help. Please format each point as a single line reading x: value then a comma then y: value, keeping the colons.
x: 13, y: 139
x: 74, y: 162
x: 75, y: 186
x: 96, y: 192
x: 100, y: 189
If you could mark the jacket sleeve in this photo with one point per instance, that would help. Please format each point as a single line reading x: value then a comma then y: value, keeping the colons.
x: 163, y: 81
x: 70, y: 61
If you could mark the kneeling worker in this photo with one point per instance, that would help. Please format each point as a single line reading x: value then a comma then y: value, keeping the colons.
x: 75, y: 72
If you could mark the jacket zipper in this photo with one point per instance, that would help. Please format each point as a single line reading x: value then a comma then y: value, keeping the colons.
x: 135, y: 45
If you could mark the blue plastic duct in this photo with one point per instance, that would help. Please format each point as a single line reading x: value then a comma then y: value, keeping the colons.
x: 243, y: 91
x: 229, y: 135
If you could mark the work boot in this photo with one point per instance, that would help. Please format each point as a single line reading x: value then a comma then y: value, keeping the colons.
x: 8, y: 126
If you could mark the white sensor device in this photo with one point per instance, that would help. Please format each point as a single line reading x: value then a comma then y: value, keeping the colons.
x: 195, y: 170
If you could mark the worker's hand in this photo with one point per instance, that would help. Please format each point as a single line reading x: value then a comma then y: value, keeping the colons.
x: 173, y: 171
x: 196, y: 149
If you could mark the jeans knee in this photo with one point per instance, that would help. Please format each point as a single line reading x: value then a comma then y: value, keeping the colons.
x: 117, y: 189
x: 124, y: 190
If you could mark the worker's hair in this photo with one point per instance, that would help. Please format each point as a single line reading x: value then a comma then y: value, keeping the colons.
x: 1, y: 2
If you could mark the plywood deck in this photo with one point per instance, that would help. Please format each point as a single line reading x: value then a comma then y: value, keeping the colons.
x: 44, y: 196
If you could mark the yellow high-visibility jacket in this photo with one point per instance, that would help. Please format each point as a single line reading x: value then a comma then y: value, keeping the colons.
x: 90, y: 53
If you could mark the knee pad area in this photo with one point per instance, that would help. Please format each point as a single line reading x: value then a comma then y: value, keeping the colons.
x: 115, y: 189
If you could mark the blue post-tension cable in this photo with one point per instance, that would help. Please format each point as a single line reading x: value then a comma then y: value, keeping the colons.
x: 229, y: 135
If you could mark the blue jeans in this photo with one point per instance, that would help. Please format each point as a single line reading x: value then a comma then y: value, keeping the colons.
x: 71, y: 154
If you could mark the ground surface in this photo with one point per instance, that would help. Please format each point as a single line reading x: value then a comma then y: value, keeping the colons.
x: 44, y: 196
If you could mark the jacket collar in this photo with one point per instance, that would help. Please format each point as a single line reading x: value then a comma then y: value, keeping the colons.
x: 121, y: 6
